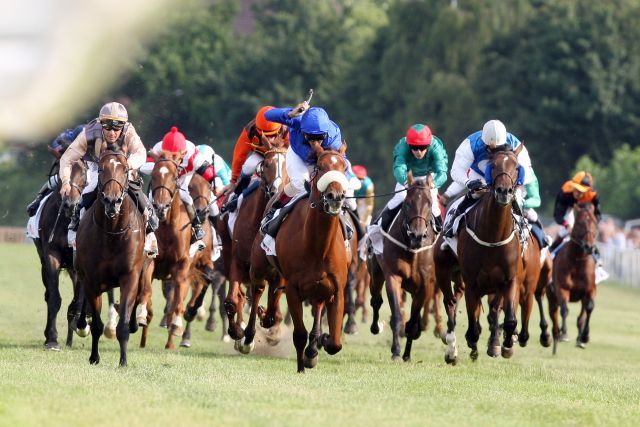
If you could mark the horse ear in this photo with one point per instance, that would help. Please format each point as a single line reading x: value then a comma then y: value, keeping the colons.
x: 265, y: 142
x: 410, y: 178
x: 518, y: 150
x: 103, y: 147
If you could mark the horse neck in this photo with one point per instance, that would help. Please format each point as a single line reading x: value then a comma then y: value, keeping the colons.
x: 492, y: 220
x: 177, y: 212
x: 319, y: 229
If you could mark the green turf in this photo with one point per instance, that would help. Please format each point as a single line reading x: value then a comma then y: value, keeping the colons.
x: 210, y: 384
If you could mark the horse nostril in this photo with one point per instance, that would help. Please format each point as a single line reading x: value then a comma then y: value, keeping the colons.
x: 510, y: 191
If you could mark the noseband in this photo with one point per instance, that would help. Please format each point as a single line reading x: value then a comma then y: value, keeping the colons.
x: 267, y: 187
x: 175, y: 179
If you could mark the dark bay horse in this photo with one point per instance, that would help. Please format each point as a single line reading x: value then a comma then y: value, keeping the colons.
x: 406, y: 264
x: 313, y: 257
x: 491, y: 260
x: 574, y: 276
x: 237, y: 251
x: 110, y: 254
x: 174, y: 237
x: 55, y: 254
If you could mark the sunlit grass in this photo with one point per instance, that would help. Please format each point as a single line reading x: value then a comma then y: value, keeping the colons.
x: 211, y: 384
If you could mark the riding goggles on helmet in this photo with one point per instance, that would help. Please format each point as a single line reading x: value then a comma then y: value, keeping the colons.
x: 315, y: 136
x: 419, y: 147
x: 112, y: 125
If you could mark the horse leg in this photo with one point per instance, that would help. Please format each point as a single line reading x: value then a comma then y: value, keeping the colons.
x: 493, y: 344
x: 112, y: 319
x: 176, y: 308
x: 146, y: 302
x: 526, y: 307
x: 510, y: 300
x: 145, y: 328
x: 299, y: 331
x: 167, y: 292
x: 473, y: 329
x: 413, y: 328
x: 222, y: 293
x: 186, y: 336
x: 128, y: 295
x: 351, y: 327
x: 273, y: 317
x: 545, y: 338
x: 552, y: 297
x: 96, y: 325
x: 233, y: 306
x: 564, y: 312
x: 377, y: 280
x: 247, y: 344
x: 361, y: 290
x: 583, y: 332
x: 310, y: 357
x: 50, y: 278
x: 394, y: 295
x: 75, y: 307
x: 438, y: 330
x: 332, y: 343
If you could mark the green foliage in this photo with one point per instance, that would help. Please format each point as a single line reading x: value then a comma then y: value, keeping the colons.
x: 616, y: 181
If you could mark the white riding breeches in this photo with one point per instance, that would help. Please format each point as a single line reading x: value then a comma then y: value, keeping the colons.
x: 92, y: 177
x: 298, y: 172
x: 250, y: 165
x: 183, y: 185
x: 399, y: 197
x: 570, y: 219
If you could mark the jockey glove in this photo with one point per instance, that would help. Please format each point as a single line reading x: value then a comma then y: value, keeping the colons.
x: 475, y: 184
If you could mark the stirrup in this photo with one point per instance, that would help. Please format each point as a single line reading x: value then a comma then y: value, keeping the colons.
x: 198, y: 231
x: 268, y: 217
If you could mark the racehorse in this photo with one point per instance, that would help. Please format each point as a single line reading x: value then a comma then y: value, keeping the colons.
x: 406, y: 263
x: 110, y: 254
x: 237, y: 251
x: 313, y: 257
x: 491, y: 259
x: 55, y: 254
x: 574, y: 277
x: 174, y: 237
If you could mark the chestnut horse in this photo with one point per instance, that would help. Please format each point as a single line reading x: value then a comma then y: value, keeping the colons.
x: 313, y: 257
x: 174, y: 237
x: 55, y: 254
x: 491, y: 259
x: 237, y: 251
x: 110, y: 254
x: 574, y: 276
x: 406, y: 263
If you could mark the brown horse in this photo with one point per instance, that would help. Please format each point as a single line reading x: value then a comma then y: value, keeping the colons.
x: 237, y: 251
x: 110, y: 243
x: 490, y: 258
x: 574, y: 276
x: 174, y: 237
x: 313, y: 258
x: 406, y: 264
x: 55, y: 254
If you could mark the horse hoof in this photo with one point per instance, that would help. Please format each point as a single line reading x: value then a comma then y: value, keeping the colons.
x: 186, y: 343
x: 406, y: 359
x: 439, y: 333
x: 474, y: 354
x: 375, y: 328
x: 396, y: 358
x: 545, y: 341
x: 273, y: 336
x: 351, y: 328
x: 507, y: 352
x: 563, y: 338
x: 201, y: 313
x: 493, y: 350
x: 522, y: 343
x: 226, y: 338
x: 581, y: 344
x: 246, y: 348
x: 210, y: 325
x: 94, y: 360
x: 451, y: 360
x: 310, y: 362
x: 163, y: 322
x: 84, y: 332
x: 52, y: 346
x: 176, y: 330
x: 109, y: 332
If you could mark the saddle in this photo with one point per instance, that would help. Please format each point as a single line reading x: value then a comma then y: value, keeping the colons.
x: 271, y: 228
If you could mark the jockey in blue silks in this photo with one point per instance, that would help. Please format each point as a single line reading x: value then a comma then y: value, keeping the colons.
x: 470, y: 170
x: 306, y: 125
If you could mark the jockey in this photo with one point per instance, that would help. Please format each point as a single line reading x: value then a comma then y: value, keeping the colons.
x: 249, y: 152
x: 470, y: 164
x: 422, y: 153
x: 366, y: 194
x: 306, y: 125
x: 113, y: 127
x: 57, y: 147
x: 222, y: 179
x: 577, y: 190
x: 192, y: 161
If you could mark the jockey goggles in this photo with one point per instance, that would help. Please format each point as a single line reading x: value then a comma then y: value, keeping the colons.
x: 419, y: 147
x: 315, y: 136
x: 112, y: 125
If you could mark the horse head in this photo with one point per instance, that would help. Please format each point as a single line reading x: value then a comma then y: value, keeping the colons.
x: 113, y: 180
x: 164, y: 183
x: 416, y: 210
x: 271, y: 170
x: 585, y: 228
x: 77, y: 181
x: 329, y: 182
x: 504, y: 170
x: 200, y: 191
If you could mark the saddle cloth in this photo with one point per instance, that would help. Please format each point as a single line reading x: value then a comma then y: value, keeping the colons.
x: 33, y: 225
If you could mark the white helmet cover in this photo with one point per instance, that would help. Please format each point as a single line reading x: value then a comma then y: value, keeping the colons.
x: 494, y: 134
x: 113, y: 111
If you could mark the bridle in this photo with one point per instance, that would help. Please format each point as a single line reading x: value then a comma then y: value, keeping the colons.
x: 268, y: 188
x: 123, y: 187
x: 316, y: 174
x: 175, y: 180
x: 586, y: 248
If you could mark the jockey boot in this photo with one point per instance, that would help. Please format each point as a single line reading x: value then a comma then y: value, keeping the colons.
x: 555, y: 243
x: 265, y: 228
x: 232, y: 204
x: 437, y: 221
x: 198, y: 232
x: 32, y: 208
x: 387, y: 216
x: 466, y: 202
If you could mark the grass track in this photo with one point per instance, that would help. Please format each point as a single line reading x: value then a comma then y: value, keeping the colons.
x: 210, y: 384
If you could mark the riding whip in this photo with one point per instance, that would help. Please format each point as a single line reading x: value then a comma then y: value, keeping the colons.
x: 55, y: 224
